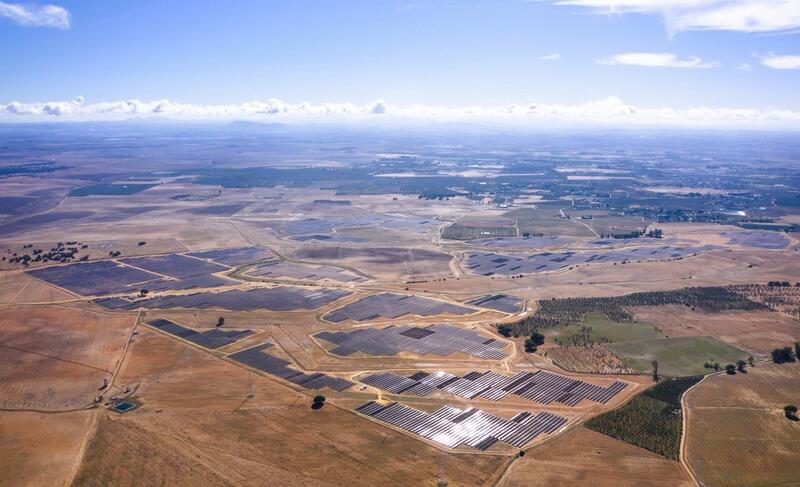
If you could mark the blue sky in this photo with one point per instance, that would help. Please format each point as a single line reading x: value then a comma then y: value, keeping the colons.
x: 451, y: 53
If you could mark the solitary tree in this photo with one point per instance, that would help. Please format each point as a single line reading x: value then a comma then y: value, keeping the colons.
x: 656, y: 377
x: 797, y: 349
x: 751, y: 361
x: 319, y: 401
x: 791, y: 412
x: 220, y: 321
x: 730, y: 369
x: 537, y: 338
x: 782, y: 355
x: 530, y: 345
x: 740, y: 365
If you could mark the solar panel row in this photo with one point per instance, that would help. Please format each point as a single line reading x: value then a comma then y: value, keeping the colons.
x: 500, y: 302
x: 452, y: 427
x: 215, y: 338
x: 543, y: 387
x: 266, y: 362
x: 392, y: 305
x: 442, y: 340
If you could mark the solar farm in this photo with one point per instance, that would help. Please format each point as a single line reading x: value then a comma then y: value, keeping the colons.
x: 392, y: 305
x: 441, y: 340
x: 235, y: 257
x: 292, y: 309
x: 257, y: 358
x: 452, y: 427
x: 174, y: 265
x: 282, y: 298
x: 499, y: 302
x: 94, y: 278
x: 491, y: 263
x: 278, y: 269
x: 541, y: 386
x: 212, y: 339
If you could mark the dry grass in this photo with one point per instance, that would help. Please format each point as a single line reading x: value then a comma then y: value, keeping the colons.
x: 56, y: 357
x: 737, y: 433
x: 584, y: 457
x: 755, y: 331
x: 40, y: 449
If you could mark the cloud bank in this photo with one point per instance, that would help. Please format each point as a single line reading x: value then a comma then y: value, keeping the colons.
x: 657, y: 60
x: 682, y: 15
x: 781, y: 62
x: 35, y: 16
x: 609, y: 110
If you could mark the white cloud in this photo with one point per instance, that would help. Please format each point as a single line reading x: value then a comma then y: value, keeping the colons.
x: 550, y: 57
x: 732, y: 15
x: 656, y: 60
x: 35, y: 16
x: 744, y: 67
x: 609, y: 110
x: 781, y: 62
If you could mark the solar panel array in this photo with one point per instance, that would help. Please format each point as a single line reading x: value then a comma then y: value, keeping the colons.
x: 491, y: 263
x: 452, y: 427
x: 215, y: 338
x: 500, y: 302
x: 541, y: 386
x: 281, y: 298
x: 266, y: 362
x: 442, y: 340
x: 392, y: 305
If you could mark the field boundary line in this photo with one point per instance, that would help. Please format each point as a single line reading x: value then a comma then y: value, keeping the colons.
x: 95, y: 419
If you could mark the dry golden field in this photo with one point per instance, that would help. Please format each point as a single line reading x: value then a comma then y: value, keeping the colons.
x: 585, y: 457
x: 737, y: 434
x: 56, y: 357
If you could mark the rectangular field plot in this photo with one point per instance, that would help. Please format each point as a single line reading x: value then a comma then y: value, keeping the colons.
x: 443, y: 341
x: 761, y: 239
x: 235, y: 257
x: 279, y: 269
x: 542, y: 387
x: 282, y: 298
x: 452, y: 427
x: 499, y: 302
x: 257, y: 358
x: 391, y: 305
x: 491, y: 263
x: 677, y: 356
x: 215, y: 338
x: 93, y: 278
x: 175, y: 265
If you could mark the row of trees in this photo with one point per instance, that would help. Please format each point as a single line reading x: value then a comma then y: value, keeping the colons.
x: 572, y: 310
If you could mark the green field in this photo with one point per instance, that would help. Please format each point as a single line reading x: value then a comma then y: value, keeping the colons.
x: 677, y: 356
x: 597, y: 328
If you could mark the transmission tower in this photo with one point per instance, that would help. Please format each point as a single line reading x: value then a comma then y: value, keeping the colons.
x: 442, y: 481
